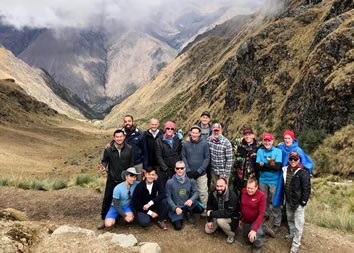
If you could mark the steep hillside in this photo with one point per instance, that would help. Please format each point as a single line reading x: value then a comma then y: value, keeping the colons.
x: 32, y: 80
x: 292, y: 69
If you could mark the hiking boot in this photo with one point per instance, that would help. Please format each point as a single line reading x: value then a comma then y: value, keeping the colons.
x: 256, y: 250
x: 203, y: 215
x: 190, y: 217
x: 162, y: 224
x: 101, y: 226
x: 289, y: 237
x: 268, y: 231
x: 230, y: 239
x: 276, y: 229
x: 294, y: 249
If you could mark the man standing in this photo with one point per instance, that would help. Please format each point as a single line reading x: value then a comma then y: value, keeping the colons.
x: 118, y: 157
x: 220, y: 154
x: 149, y: 200
x: 205, y: 125
x: 122, y: 195
x: 182, y: 195
x: 297, y: 192
x: 195, y: 155
x: 222, y: 211
x: 151, y: 136
x: 253, y: 203
x: 168, y: 151
x: 245, y: 158
x: 269, y: 160
x: 136, y: 139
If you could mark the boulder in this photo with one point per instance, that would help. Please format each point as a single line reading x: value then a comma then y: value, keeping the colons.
x: 69, y: 229
x: 124, y: 241
x: 149, y: 247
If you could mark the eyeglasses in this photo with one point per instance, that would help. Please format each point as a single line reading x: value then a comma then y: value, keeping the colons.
x: 293, y: 159
x: 168, y: 128
x: 179, y: 168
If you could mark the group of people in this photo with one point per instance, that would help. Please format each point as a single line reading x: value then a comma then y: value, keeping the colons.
x: 151, y: 175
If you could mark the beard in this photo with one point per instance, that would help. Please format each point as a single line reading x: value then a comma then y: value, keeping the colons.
x: 220, y: 193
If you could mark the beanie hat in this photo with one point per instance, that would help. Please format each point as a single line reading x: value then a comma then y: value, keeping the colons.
x: 170, y: 124
x: 290, y: 133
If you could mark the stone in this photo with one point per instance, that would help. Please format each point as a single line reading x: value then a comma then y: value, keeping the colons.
x: 13, y: 214
x: 68, y: 229
x: 149, y: 247
x: 125, y: 241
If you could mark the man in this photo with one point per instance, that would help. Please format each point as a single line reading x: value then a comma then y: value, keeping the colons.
x: 269, y: 160
x: 222, y: 211
x: 204, y: 125
x: 220, y: 154
x: 253, y: 205
x: 122, y: 195
x: 168, y: 151
x: 182, y: 195
x: 195, y: 155
x: 245, y: 159
x: 151, y: 136
x: 118, y: 157
x: 297, y: 188
x: 149, y: 200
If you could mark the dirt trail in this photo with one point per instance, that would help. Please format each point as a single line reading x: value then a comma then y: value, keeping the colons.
x: 81, y: 207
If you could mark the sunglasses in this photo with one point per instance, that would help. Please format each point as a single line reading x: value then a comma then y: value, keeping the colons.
x: 168, y: 128
x: 179, y: 168
x: 293, y: 159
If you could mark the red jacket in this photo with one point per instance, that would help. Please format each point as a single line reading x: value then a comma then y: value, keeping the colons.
x: 252, y: 208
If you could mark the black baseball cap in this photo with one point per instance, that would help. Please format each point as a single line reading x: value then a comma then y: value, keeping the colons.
x: 206, y: 113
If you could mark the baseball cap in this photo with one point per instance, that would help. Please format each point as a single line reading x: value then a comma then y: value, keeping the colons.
x: 247, y: 131
x: 294, y: 154
x: 268, y: 136
x: 206, y: 113
x: 216, y: 126
x: 196, y: 127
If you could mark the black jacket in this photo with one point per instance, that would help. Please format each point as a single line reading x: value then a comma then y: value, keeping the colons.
x: 117, y: 163
x: 151, y: 146
x: 136, y: 139
x: 142, y: 196
x: 231, y: 207
x: 167, y: 156
x: 300, y: 188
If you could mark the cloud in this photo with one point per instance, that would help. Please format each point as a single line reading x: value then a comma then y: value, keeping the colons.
x: 84, y: 13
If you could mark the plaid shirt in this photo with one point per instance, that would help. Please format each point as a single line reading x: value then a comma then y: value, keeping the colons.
x: 220, y: 156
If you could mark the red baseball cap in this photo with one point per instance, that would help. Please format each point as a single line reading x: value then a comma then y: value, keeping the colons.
x: 268, y: 136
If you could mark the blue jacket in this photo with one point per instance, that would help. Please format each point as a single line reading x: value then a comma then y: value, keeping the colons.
x: 195, y: 155
x: 305, y: 161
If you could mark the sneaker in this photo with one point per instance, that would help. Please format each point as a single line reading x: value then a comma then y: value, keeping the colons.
x: 162, y: 225
x: 190, y: 217
x: 101, y: 226
x: 294, y: 249
x: 276, y: 229
x: 230, y: 239
x: 256, y: 250
x: 268, y: 231
x: 289, y: 237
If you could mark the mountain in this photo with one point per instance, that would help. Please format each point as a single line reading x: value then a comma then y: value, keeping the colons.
x: 107, y: 61
x: 38, y: 84
x: 284, y: 68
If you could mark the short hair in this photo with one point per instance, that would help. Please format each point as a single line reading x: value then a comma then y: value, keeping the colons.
x: 150, y: 169
x: 155, y: 119
x: 118, y: 131
x: 252, y: 180
x: 223, y: 179
x: 130, y: 116
x: 180, y: 162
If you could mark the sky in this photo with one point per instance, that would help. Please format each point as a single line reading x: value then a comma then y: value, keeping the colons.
x: 84, y: 13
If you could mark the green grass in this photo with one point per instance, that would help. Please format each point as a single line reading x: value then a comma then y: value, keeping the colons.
x: 331, y: 206
x: 84, y: 179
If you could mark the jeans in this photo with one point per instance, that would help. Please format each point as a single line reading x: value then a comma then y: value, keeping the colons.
x: 258, y: 242
x: 296, y: 221
x: 161, y: 209
x: 174, y: 217
x: 269, y: 191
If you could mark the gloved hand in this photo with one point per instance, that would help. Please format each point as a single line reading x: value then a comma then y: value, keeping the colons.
x: 195, y: 174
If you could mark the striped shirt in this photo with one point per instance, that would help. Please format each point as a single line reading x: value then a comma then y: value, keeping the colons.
x: 220, y: 155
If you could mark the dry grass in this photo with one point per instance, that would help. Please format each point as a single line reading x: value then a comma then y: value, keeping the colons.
x: 332, y: 205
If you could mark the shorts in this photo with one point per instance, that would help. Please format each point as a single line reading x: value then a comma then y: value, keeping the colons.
x: 113, y: 214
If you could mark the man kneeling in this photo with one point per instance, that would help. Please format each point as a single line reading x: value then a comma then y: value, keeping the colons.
x: 149, y: 200
x: 222, y: 211
x: 122, y: 195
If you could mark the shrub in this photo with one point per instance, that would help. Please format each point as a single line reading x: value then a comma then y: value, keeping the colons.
x: 59, y: 183
x: 84, y: 179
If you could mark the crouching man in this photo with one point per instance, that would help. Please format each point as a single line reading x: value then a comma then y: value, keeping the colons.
x: 149, y: 200
x: 122, y: 195
x: 222, y: 211
x: 182, y: 195
x: 253, y: 204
